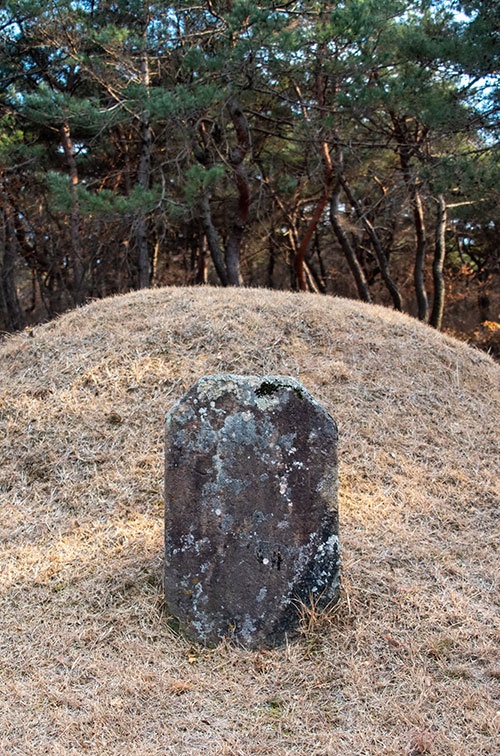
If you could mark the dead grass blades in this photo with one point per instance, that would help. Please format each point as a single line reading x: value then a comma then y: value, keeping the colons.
x: 406, y: 663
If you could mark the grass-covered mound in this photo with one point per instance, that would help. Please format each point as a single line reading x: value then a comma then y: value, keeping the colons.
x: 407, y: 663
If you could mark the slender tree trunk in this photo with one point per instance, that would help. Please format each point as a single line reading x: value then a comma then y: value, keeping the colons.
x: 313, y: 281
x: 144, y: 176
x: 321, y: 278
x: 436, y: 317
x: 377, y: 247
x: 200, y: 265
x: 322, y: 83
x: 348, y: 250
x: 271, y: 263
x: 14, y: 316
x: 404, y: 152
x: 154, y: 262
x: 420, y: 253
x: 226, y: 258
x: 237, y: 157
x: 232, y: 257
x: 78, y: 265
x: 315, y: 219
x: 213, y: 240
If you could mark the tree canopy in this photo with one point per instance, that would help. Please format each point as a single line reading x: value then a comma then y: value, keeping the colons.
x: 345, y: 147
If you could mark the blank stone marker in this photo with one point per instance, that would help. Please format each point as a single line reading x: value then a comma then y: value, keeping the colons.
x: 251, y: 524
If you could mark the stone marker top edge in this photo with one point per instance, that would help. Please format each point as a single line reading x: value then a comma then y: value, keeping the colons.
x: 264, y: 386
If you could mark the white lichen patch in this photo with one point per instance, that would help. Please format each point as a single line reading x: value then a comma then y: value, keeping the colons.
x: 261, y: 595
x: 329, y: 546
x: 265, y: 403
x: 247, y: 628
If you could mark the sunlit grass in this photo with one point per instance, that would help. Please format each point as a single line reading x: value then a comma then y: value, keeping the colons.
x: 405, y: 663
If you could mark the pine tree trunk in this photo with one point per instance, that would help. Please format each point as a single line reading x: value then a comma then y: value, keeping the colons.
x: 213, y: 241
x: 144, y: 177
x: 418, y: 216
x: 14, y: 317
x: 420, y: 253
x: 436, y: 317
x: 78, y: 265
x: 377, y: 247
x: 349, y: 252
x: 315, y: 219
x: 237, y: 157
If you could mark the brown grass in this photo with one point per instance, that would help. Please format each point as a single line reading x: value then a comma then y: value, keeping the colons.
x: 406, y: 664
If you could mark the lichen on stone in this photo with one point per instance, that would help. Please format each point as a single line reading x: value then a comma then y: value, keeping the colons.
x: 250, y: 507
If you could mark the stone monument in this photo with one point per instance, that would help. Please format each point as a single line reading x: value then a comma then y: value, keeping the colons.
x: 251, y: 524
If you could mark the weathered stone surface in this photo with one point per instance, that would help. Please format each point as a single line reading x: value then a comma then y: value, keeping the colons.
x: 251, y: 524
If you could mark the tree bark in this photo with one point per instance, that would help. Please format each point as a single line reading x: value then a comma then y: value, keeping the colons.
x: 213, y: 240
x: 321, y: 81
x: 271, y: 263
x: 78, y: 265
x: 233, y: 246
x: 14, y: 316
x: 436, y: 317
x: 377, y: 246
x: 312, y: 279
x: 316, y: 217
x: 404, y: 152
x: 349, y: 252
x: 420, y: 253
x: 321, y: 277
x: 144, y: 177
x: 200, y: 262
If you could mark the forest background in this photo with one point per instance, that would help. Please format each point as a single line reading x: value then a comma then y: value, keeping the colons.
x: 346, y: 148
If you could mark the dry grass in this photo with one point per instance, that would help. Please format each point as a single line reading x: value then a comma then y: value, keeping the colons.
x: 406, y: 664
